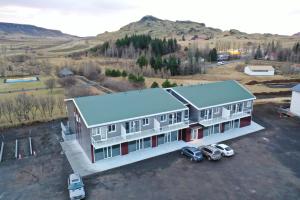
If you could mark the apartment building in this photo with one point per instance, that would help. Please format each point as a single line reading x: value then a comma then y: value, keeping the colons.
x: 117, y: 124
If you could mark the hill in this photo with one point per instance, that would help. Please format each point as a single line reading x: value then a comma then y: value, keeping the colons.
x: 163, y: 28
x: 192, y: 31
x: 24, y: 30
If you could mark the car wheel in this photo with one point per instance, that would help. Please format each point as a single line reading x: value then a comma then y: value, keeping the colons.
x: 209, y: 158
x: 222, y: 154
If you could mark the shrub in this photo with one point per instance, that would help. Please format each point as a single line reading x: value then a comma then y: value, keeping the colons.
x: 124, y: 73
x: 113, y: 72
x: 136, y: 79
x: 168, y: 84
x: 154, y: 85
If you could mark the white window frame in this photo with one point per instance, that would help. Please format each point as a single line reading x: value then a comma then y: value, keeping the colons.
x: 188, y: 114
x: 248, y: 104
x: 216, y: 110
x: 164, y: 118
x: 111, y: 131
x: 146, y: 120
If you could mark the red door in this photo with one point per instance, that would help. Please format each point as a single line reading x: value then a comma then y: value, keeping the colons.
x: 222, y: 127
x: 246, y: 121
x: 154, y: 141
x: 200, y: 133
x: 188, y: 135
x: 124, y: 148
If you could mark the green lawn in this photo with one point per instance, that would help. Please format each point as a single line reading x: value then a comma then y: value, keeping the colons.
x: 17, y: 86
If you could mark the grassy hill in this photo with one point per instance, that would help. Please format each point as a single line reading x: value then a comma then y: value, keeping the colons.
x: 25, y: 30
x: 192, y: 32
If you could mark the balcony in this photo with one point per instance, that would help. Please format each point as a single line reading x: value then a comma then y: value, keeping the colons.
x: 221, y: 119
x: 98, y: 143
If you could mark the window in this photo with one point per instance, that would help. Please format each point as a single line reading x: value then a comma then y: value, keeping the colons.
x: 248, y: 104
x: 186, y: 114
x: 171, y: 118
x: 111, y: 128
x: 202, y: 114
x: 145, y: 121
x: 132, y: 126
x: 216, y: 110
x: 163, y: 118
x: 116, y: 150
x: 147, y: 142
x: 239, y: 107
x: 178, y: 117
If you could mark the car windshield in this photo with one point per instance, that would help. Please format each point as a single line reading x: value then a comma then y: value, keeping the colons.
x: 198, y: 154
x: 227, y: 148
x: 75, y: 184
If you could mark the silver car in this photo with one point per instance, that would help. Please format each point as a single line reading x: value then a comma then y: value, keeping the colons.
x: 76, y: 187
x: 211, y: 153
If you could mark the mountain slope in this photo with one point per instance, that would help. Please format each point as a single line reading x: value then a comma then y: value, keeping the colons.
x: 164, y: 28
x: 24, y: 30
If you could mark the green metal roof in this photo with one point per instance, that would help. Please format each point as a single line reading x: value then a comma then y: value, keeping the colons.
x: 121, y: 106
x: 210, y: 94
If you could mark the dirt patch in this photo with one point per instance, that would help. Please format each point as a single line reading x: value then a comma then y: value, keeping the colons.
x: 254, y: 82
x: 264, y: 95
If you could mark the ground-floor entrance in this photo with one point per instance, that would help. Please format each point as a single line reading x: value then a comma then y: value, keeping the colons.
x: 135, y: 145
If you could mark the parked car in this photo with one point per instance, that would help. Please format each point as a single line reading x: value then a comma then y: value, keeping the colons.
x: 76, y: 187
x: 193, y: 153
x: 225, y: 150
x: 211, y: 153
x: 221, y: 63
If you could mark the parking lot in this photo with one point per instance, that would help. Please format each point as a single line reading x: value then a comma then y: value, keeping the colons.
x: 266, y: 166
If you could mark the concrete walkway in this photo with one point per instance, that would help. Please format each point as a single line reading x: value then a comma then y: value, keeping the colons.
x: 81, y: 164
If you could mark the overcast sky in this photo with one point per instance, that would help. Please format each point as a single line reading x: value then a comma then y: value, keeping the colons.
x: 91, y: 17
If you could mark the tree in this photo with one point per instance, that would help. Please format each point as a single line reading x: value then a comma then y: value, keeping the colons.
x: 258, y: 53
x: 142, y: 61
x: 8, y: 109
x: 173, y: 65
x: 61, y: 104
x: 124, y: 73
x: 213, y: 55
x: 154, y: 85
x: 50, y: 84
x: 168, y: 84
x: 50, y: 104
x: 183, y: 38
x: 67, y: 81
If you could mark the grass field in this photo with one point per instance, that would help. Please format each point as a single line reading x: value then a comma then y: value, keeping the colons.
x: 5, y: 87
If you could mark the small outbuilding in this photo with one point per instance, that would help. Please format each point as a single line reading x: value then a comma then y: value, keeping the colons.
x: 65, y: 72
x: 295, y: 102
x: 259, y: 70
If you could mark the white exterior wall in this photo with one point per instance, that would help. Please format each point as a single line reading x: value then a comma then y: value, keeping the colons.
x: 295, y: 103
x: 248, y: 71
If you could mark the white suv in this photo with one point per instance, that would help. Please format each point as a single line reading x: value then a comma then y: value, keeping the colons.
x: 225, y: 150
x: 76, y: 187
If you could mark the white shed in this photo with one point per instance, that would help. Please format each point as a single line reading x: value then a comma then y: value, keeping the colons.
x: 295, y: 102
x: 259, y: 70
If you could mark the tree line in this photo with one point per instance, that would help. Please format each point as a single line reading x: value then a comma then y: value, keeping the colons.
x: 25, y: 108
x: 274, y: 51
x: 135, y: 45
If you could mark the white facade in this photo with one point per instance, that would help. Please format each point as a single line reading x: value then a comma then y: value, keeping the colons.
x: 295, y: 103
x: 259, y: 70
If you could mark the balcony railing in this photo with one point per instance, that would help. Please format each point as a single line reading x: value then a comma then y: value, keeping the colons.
x: 209, y: 122
x: 98, y: 143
